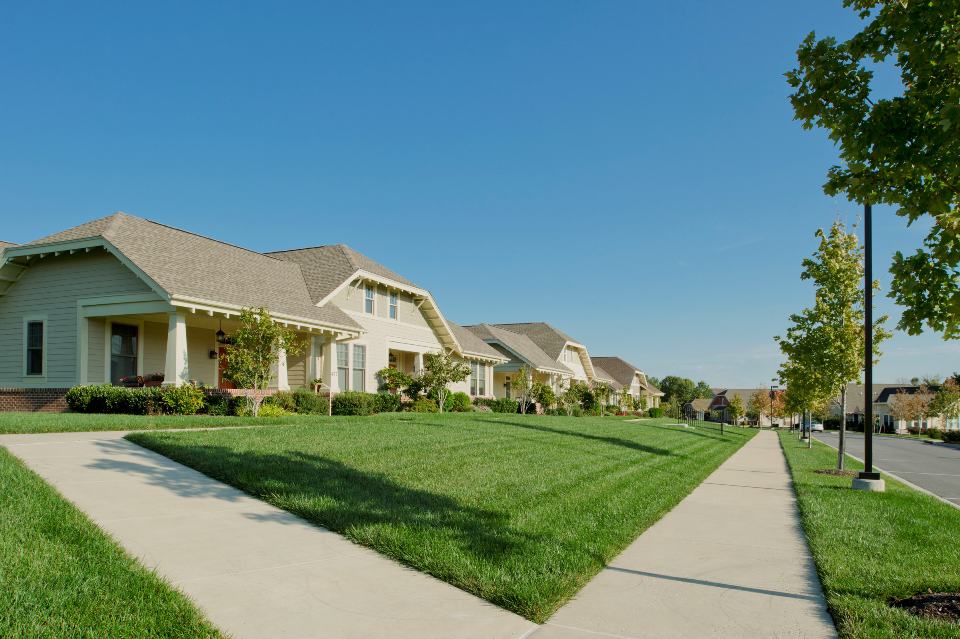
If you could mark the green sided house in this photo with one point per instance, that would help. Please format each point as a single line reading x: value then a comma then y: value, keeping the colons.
x: 623, y: 374
x: 123, y: 296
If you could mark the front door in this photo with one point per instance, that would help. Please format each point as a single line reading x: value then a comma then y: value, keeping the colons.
x: 221, y: 367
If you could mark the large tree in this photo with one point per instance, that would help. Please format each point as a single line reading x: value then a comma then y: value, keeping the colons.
x: 824, y: 345
x: 682, y: 390
x: 899, y: 147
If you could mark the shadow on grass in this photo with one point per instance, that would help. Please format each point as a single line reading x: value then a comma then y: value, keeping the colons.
x: 614, y: 441
x: 696, y: 432
x: 332, y: 494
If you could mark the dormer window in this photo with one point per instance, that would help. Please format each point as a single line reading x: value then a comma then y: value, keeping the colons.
x: 368, y: 300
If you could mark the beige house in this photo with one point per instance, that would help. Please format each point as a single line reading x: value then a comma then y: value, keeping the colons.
x: 519, y: 351
x: 558, y: 346
x: 626, y: 375
x: 122, y: 296
x: 884, y: 397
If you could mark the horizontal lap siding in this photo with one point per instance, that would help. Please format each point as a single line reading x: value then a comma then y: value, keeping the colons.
x: 51, y: 287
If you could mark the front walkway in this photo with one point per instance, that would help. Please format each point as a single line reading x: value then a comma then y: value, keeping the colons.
x: 730, y: 560
x: 255, y: 570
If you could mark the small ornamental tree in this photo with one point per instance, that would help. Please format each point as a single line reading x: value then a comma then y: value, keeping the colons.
x: 440, y: 370
x: 523, y: 386
x: 601, y: 391
x: 904, y: 407
x: 394, y: 380
x: 736, y: 409
x: 946, y: 401
x: 759, y: 405
x: 253, y: 352
x: 626, y: 400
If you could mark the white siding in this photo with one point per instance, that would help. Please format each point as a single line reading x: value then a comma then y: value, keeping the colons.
x: 574, y: 363
x: 52, y: 286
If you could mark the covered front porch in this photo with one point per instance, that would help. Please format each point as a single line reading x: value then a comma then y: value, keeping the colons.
x: 505, y: 375
x: 174, y: 345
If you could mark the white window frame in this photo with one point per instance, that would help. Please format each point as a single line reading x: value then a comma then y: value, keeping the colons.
x: 107, y: 347
x: 354, y: 369
x: 346, y: 378
x: 27, y: 320
x: 393, y: 302
x: 369, y: 295
x: 474, y: 378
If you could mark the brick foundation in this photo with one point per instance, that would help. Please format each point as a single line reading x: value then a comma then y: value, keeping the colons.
x: 34, y: 400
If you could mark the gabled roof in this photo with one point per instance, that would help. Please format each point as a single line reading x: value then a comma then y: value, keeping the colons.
x: 473, y: 345
x: 550, y: 340
x: 700, y: 404
x: 6, y: 244
x: 187, y: 265
x: 622, y: 371
x: 601, y: 375
x: 521, y: 345
x: 326, y: 268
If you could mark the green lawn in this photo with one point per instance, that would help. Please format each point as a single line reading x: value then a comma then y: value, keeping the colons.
x: 60, y: 576
x: 869, y: 547
x: 520, y: 510
x: 76, y: 422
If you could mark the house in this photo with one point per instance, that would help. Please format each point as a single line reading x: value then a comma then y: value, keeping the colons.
x: 884, y: 398
x: 626, y: 375
x: 603, y: 377
x: 400, y: 321
x: 559, y: 346
x: 122, y: 296
x: 723, y: 396
x: 519, y: 351
x: 698, y: 408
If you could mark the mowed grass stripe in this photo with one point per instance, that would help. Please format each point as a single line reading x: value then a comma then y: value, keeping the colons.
x: 520, y: 510
x: 869, y: 547
x: 61, y: 576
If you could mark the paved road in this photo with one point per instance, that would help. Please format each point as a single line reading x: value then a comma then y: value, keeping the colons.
x: 930, y: 466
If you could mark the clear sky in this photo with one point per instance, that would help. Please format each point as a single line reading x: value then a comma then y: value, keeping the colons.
x: 628, y: 171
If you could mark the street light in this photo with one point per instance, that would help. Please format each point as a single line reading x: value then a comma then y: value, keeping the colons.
x: 868, y: 479
x: 773, y: 387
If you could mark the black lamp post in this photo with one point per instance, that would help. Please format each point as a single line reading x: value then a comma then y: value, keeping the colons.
x: 868, y: 479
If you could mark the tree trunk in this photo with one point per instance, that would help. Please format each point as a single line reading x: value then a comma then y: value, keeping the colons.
x: 841, y: 448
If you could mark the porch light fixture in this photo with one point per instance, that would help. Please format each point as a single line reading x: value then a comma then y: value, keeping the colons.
x: 221, y: 336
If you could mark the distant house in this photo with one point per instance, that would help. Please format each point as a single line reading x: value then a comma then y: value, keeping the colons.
x: 723, y: 396
x: 698, y: 408
x: 626, y: 375
x: 519, y: 351
x: 884, y: 397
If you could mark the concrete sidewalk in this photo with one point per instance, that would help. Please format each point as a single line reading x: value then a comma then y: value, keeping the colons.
x: 255, y: 570
x: 730, y: 560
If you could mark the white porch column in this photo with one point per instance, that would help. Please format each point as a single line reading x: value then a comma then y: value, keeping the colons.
x: 175, y: 369
x: 330, y: 365
x: 418, y: 364
x: 282, y: 380
x: 313, y: 359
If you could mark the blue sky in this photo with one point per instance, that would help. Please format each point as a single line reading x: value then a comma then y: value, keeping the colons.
x: 627, y: 171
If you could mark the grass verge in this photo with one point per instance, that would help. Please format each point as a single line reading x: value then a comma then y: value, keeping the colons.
x: 78, y: 422
x: 520, y: 510
x: 869, y: 547
x: 62, y: 576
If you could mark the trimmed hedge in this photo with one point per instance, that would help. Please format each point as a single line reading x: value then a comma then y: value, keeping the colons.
x: 502, y: 405
x: 353, y: 403
x: 425, y: 405
x: 387, y: 403
x: 105, y: 398
x: 456, y: 403
x: 951, y: 436
x: 655, y: 412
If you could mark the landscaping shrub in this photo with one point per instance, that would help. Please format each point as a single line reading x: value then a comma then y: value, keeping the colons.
x: 576, y: 412
x: 951, y: 436
x: 934, y: 433
x: 105, y: 398
x: 481, y: 408
x: 217, y: 405
x: 181, y: 400
x: 353, y: 403
x: 386, y: 403
x: 505, y: 405
x: 272, y: 410
x: 425, y: 405
x: 655, y: 412
x: 309, y: 403
x: 283, y: 399
x: 239, y: 406
x: 555, y: 411
x: 457, y: 403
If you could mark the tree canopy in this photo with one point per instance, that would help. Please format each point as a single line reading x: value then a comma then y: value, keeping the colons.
x: 902, y: 149
x: 682, y: 390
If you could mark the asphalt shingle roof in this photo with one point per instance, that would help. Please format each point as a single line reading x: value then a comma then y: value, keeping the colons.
x: 190, y: 265
x: 522, y: 345
x: 550, y: 340
x: 473, y: 345
x: 622, y: 371
x: 327, y: 267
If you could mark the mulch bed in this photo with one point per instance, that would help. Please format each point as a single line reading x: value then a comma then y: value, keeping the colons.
x: 942, y: 606
x: 835, y: 472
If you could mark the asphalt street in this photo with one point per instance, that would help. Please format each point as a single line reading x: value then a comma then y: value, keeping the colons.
x: 934, y: 467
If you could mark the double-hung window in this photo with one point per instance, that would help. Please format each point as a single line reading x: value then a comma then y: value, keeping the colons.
x: 473, y: 377
x: 393, y: 306
x: 478, y: 379
x: 368, y: 300
x: 123, y: 351
x: 343, y: 366
x: 359, y: 367
x: 34, y: 355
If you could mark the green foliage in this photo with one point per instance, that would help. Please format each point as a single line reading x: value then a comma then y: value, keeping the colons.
x: 394, y: 380
x: 900, y: 148
x: 309, y: 403
x: 735, y: 409
x: 457, y: 403
x: 440, y: 370
x: 181, y: 400
x: 951, y: 436
x: 502, y: 405
x: 216, y: 405
x: 655, y: 411
x: 283, y: 399
x: 354, y: 403
x: 272, y: 410
x: 253, y: 350
x: 543, y: 395
x: 425, y: 405
x: 681, y: 390
x: 386, y: 403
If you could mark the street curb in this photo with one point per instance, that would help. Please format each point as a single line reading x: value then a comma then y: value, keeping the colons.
x: 898, y: 478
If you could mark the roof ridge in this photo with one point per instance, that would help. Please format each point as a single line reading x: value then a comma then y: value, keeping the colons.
x: 193, y: 233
